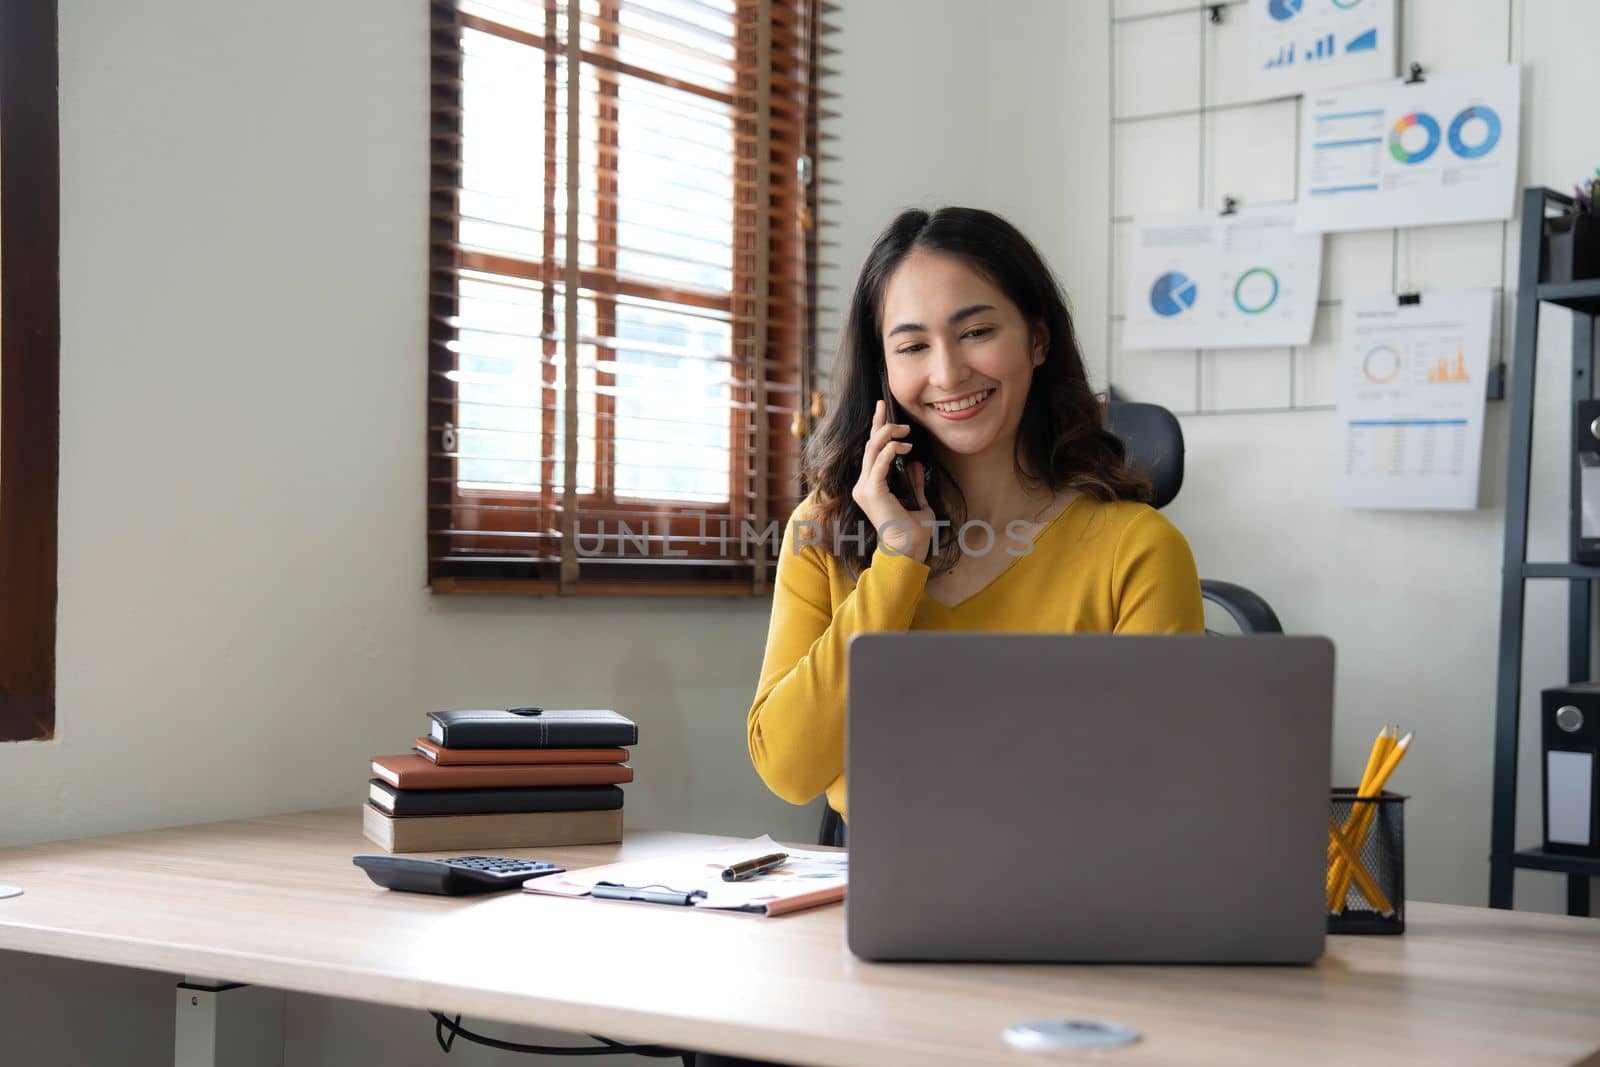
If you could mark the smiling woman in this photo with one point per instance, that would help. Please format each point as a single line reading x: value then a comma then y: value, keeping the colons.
x: 30, y: 334
x: 971, y: 328
x: 1026, y: 518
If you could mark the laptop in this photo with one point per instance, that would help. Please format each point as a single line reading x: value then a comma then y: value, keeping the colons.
x: 1088, y: 798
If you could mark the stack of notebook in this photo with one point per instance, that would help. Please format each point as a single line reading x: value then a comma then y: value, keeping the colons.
x: 521, y: 778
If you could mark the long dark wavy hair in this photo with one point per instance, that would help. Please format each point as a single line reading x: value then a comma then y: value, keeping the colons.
x: 1062, y: 442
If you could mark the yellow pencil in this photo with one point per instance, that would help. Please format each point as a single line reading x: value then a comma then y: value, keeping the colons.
x: 1380, y: 748
x: 1371, y: 785
x: 1364, y: 882
x: 1339, y: 877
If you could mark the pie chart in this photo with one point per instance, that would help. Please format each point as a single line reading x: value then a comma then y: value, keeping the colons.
x: 1381, y: 365
x: 1172, y: 294
x: 1255, y: 291
x: 1413, y: 153
x: 1480, y: 121
x: 1282, y: 10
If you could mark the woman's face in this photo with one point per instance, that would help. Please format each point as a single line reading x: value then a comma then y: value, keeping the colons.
x: 959, y: 354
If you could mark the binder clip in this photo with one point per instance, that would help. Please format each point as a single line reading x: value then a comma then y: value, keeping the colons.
x: 1415, y: 77
x: 1230, y: 206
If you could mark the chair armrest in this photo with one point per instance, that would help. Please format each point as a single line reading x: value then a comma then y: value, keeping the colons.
x: 831, y: 832
x: 1252, y: 613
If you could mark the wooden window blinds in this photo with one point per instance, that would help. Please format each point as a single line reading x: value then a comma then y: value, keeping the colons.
x: 622, y: 292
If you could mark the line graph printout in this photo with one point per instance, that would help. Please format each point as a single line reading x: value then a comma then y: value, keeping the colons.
x: 1411, y: 400
x: 1204, y: 280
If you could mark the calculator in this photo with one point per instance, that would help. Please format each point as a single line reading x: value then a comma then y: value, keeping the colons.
x: 453, y: 877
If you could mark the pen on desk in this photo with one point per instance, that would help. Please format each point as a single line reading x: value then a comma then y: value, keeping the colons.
x: 645, y: 894
x: 738, y: 872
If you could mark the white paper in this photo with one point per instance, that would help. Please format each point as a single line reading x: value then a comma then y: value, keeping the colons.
x: 1204, y: 280
x: 1301, y: 45
x: 805, y: 872
x: 1411, y: 400
x: 1443, y: 150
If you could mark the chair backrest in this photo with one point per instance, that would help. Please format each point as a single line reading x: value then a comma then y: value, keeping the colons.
x: 1154, y: 440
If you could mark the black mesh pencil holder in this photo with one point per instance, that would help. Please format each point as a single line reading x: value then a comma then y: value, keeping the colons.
x: 1374, y: 829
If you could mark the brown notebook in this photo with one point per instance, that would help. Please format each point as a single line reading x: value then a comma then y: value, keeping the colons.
x: 471, y: 833
x: 461, y: 757
x: 413, y: 772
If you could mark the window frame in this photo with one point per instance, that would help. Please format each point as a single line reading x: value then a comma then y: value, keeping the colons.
x: 30, y: 368
x: 676, y: 517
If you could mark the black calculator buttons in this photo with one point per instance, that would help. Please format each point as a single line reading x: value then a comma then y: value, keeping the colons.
x: 453, y: 877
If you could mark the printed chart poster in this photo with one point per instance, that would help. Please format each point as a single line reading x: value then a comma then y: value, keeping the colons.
x: 1204, y: 280
x: 1411, y: 401
x: 1443, y: 150
x: 1299, y: 46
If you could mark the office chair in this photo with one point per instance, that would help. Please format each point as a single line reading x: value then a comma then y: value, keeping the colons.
x: 1154, y: 440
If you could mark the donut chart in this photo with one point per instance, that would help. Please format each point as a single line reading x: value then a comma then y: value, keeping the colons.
x: 1491, y: 136
x: 1255, y: 291
x: 1423, y: 121
x: 1172, y: 294
x: 1381, y: 365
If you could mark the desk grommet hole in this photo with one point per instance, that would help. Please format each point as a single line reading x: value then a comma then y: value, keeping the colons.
x: 1048, y: 1035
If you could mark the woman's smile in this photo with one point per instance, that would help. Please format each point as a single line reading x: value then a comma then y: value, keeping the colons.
x: 962, y: 407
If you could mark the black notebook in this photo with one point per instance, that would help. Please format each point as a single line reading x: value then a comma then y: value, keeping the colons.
x: 402, y: 802
x: 555, y: 728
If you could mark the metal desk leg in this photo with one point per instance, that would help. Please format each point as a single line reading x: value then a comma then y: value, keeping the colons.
x: 1578, y: 894
x: 225, y: 1024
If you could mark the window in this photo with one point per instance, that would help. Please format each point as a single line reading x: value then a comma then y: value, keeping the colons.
x: 621, y: 299
x: 30, y: 368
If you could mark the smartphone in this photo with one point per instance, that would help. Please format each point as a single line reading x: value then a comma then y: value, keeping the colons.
x: 899, y: 475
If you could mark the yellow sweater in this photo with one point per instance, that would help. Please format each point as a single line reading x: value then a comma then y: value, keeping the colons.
x: 1094, y: 568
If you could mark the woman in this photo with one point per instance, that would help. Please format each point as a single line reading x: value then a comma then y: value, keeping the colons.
x: 1028, y: 518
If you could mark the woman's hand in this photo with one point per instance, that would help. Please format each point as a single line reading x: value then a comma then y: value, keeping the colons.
x: 899, y: 531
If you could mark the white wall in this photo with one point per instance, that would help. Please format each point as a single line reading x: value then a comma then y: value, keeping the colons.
x: 243, y: 267
x: 999, y: 106
x: 913, y: 131
x: 242, y: 263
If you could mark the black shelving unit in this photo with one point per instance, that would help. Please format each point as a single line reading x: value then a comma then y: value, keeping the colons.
x: 1583, y: 298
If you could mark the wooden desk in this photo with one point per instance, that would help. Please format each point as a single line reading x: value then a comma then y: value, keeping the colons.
x: 276, y: 902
